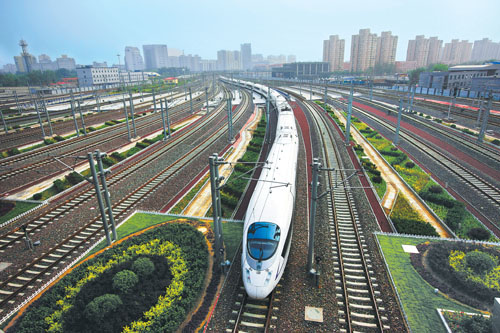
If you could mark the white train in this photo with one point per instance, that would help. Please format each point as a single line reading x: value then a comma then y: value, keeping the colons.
x: 267, y: 232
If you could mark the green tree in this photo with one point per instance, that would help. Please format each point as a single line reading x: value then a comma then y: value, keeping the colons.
x: 438, y: 67
x: 414, y: 75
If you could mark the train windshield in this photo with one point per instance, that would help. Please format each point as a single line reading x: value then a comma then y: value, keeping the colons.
x: 262, y: 240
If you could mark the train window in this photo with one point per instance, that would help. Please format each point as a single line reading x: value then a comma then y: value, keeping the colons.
x: 262, y: 240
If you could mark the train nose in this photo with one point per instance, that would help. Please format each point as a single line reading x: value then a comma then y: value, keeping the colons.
x: 257, y: 292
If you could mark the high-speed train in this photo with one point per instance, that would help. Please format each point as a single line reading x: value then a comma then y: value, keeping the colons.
x: 267, y: 232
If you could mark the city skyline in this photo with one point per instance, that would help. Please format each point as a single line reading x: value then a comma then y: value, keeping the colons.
x: 53, y: 28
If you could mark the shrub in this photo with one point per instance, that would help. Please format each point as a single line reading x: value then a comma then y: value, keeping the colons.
x: 409, y: 165
x: 117, y: 156
x: 125, y: 280
x: 49, y: 141
x: 413, y: 227
x: 6, y: 206
x: 479, y: 262
x: 141, y: 144
x: 91, y: 129
x: 478, y: 234
x: 16, y: 126
x: 377, y: 179
x: 100, y: 307
x: 13, y: 151
x: 427, y: 117
x: 496, y: 142
x: 435, y: 189
x: 109, y: 123
x: 37, y: 196
x: 453, y: 126
x: 74, y: 178
x: 58, y: 138
x: 437, y: 199
x: 107, y: 161
x: 455, y: 216
x: 143, y: 267
x: 59, y: 185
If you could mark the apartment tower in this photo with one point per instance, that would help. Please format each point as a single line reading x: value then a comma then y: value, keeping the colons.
x: 333, y: 52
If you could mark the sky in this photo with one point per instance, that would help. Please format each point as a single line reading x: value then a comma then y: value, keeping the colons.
x: 91, y: 30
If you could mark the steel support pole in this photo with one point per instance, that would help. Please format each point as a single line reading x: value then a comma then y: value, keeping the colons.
x: 371, y: 91
x: 485, y: 120
x: 81, y: 118
x: 206, y: 97
x: 452, y: 104
x: 132, y: 114
x: 310, y: 91
x: 3, y: 121
x: 39, y: 118
x: 268, y: 105
x: 480, y: 107
x: 17, y: 102
x: 214, y: 182
x: 97, y: 102
x: 47, y: 115
x: 229, y: 120
x: 312, y: 217
x: 349, y: 113
x: 190, y: 100
x: 126, y: 116
x: 95, y: 180
x: 412, y: 98
x: 163, y: 121
x: 102, y: 173
x: 73, y: 112
x: 326, y: 95
x: 400, y: 111
x: 168, y: 118
x: 154, y: 99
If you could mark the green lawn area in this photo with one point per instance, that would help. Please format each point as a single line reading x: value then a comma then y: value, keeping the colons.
x: 231, y: 231
x: 20, y: 208
x: 417, y: 296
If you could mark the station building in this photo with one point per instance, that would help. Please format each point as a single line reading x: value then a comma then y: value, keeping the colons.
x: 302, y: 70
x: 478, y: 78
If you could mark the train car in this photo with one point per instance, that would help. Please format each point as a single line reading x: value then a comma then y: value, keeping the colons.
x: 267, y: 232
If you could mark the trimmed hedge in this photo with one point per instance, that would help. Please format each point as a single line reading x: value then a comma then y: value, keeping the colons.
x: 194, y: 253
x: 455, y: 283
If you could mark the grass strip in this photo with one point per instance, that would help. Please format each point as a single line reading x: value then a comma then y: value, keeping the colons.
x: 418, y: 298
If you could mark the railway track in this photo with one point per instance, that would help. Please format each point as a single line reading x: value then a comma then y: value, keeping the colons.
x: 15, y: 236
x: 15, y: 290
x: 9, y: 140
x: 485, y: 150
x: 254, y: 315
x: 15, y: 166
x: 358, y: 299
x: 465, y: 174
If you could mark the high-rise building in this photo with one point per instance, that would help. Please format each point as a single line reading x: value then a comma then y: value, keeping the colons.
x: 190, y: 62
x: 65, y: 62
x: 418, y: 50
x: 9, y: 68
x: 155, y: 56
x: 425, y: 51
x: 363, y: 50
x: 133, y: 59
x: 22, y: 66
x: 485, y: 49
x: 457, y: 52
x: 333, y: 52
x: 100, y: 64
x: 435, y: 47
x: 291, y: 58
x: 228, y: 60
x: 246, y: 56
x: 386, y: 48
x: 45, y: 63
